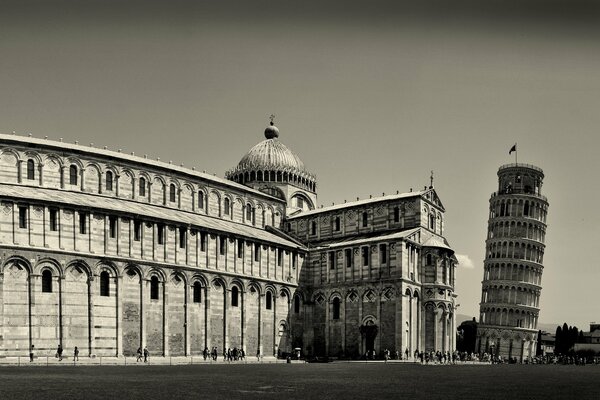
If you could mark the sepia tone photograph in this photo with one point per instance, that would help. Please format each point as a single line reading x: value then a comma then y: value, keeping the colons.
x: 260, y: 199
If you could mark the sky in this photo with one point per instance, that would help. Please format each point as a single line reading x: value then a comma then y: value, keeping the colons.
x: 371, y: 95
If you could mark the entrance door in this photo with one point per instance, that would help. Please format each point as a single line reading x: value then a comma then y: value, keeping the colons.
x: 369, y: 333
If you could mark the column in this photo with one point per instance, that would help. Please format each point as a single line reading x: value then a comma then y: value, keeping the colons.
x: 82, y: 177
x: 186, y: 325
x: 207, y: 315
x: 378, y: 343
x: 327, y: 326
x: 20, y: 171
x: 360, y: 318
x: 165, y: 321
x: 117, y: 176
x: 243, y: 320
x: 260, y: 349
x: 226, y: 306
x: 91, y: 329
x: 41, y: 173
x: 144, y: 287
x: 119, y: 344
x: 61, y: 307
x: 62, y: 176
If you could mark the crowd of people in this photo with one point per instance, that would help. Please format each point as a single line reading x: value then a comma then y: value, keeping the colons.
x: 230, y: 354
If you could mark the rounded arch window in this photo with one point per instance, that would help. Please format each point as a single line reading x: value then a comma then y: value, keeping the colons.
x: 73, y: 175
x: 109, y: 181
x: 269, y: 301
x: 47, y: 281
x: 297, y: 304
x: 197, y: 292
x: 142, y: 188
x: 234, y: 296
x: 104, y: 284
x: 336, y: 308
x: 154, y: 288
x: 172, y: 195
x: 30, y: 169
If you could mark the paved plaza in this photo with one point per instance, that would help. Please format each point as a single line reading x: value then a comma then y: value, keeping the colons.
x: 324, y: 381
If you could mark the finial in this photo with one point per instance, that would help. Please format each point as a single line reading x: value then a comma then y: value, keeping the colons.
x: 431, y: 180
x: 271, y: 132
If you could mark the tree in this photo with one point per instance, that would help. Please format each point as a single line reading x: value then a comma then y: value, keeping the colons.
x: 557, y: 337
x: 538, y: 350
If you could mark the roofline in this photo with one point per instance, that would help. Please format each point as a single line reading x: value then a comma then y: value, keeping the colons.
x: 77, y: 148
x: 358, y: 203
x: 146, y: 217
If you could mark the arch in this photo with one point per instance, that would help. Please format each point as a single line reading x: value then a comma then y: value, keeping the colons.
x: 133, y: 270
x: 79, y: 263
x: 253, y: 285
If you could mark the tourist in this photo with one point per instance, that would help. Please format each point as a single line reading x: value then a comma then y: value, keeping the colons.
x: 76, y: 354
x: 407, y: 353
x: 243, y: 355
x: 146, y: 354
x: 59, y: 352
x: 258, y: 355
x: 205, y: 353
x: 31, y: 353
x: 139, y: 354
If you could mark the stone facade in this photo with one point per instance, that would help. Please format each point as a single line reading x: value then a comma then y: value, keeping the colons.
x: 109, y: 252
x: 513, y: 265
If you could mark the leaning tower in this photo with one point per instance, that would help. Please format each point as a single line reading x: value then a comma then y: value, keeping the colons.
x: 513, y: 265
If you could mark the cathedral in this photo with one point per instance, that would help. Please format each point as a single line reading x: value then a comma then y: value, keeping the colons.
x: 109, y: 252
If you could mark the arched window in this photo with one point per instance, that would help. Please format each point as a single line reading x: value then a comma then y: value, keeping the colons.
x: 297, y: 304
x: 365, y: 219
x: 269, y: 301
x: 47, y: 281
x: 104, y: 284
x: 30, y: 169
x: 428, y: 259
x: 73, y: 175
x: 226, y: 206
x: 142, y: 188
x: 154, y: 288
x: 201, y: 200
x: 396, y: 214
x: 234, y: 296
x: 197, y: 292
x: 313, y: 228
x: 109, y: 181
x: 172, y: 196
x: 336, y: 308
x: 432, y: 222
x: 337, y: 224
x: 526, y: 209
x: 248, y: 212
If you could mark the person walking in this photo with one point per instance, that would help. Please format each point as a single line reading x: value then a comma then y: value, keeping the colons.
x: 139, y: 354
x: 59, y: 352
x: 75, y: 354
x: 146, y: 354
x: 31, y: 353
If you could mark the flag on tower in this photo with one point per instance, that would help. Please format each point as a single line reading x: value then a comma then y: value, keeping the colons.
x: 514, y: 148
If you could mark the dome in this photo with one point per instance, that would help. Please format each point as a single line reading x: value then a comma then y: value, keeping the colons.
x: 271, y: 157
x: 271, y: 154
